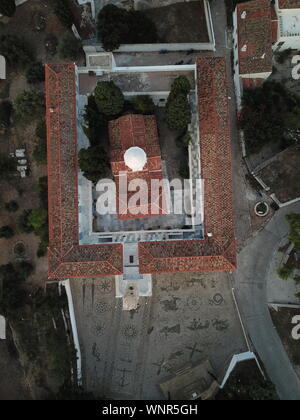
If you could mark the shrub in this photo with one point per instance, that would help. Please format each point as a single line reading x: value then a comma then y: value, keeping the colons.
x: 6, y: 232
x: 40, y: 152
x: 294, y: 236
x: 286, y: 271
x: 184, y: 140
x: 23, y: 270
x: 143, y: 104
x: 94, y: 163
x: 23, y: 223
x: 117, y: 26
x: 43, y: 191
x: 109, y: 98
x: 41, y: 129
x: 297, y: 279
x: 12, y: 206
x: 35, y: 73
x: 6, y: 109
x: 63, y: 11
x: 69, y: 47
x: 7, y: 7
x: 29, y: 103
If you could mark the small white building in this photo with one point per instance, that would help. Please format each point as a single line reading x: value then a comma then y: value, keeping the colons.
x: 288, y: 15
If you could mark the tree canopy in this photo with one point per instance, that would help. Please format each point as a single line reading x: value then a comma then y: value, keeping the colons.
x: 178, y: 110
x: 270, y: 114
x: 94, y: 121
x: 29, y: 103
x: 109, y: 99
x: 7, y: 7
x: 69, y: 47
x: 15, y: 51
x: 94, y: 163
x: 6, y: 109
x: 118, y: 26
x: 35, y: 73
x: 63, y: 11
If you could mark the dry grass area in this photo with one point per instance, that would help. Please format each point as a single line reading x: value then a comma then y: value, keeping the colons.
x: 180, y: 22
x: 282, y: 174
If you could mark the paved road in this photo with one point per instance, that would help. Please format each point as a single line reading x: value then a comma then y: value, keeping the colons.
x: 251, y: 286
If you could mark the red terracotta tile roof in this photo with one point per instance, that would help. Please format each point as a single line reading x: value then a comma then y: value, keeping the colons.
x: 255, y: 36
x: 289, y: 4
x: 136, y: 131
x: 66, y: 257
x: 218, y: 252
x: 249, y: 83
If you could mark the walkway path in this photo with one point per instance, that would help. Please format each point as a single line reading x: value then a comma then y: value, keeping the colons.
x: 250, y: 280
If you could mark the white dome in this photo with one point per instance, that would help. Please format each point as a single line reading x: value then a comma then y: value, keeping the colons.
x: 135, y: 158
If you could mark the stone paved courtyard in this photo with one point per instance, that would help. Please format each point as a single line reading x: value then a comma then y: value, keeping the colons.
x: 190, y: 317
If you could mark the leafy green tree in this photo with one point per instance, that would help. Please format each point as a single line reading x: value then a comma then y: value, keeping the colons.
x: 143, y: 104
x: 15, y: 51
x: 6, y: 232
x: 6, y: 109
x: 112, y: 27
x: 23, y: 222
x: 178, y: 112
x: 270, y: 114
x: 184, y: 140
x: 38, y: 219
x: 69, y: 47
x: 181, y: 85
x: 63, y: 11
x: 7, y: 7
x: 297, y: 279
x: 94, y: 121
x: 12, y: 206
x: 109, y: 98
x: 118, y: 26
x: 294, y: 236
x: 7, y: 166
x: 94, y: 163
x: 35, y: 73
x: 29, y: 103
x: 286, y: 271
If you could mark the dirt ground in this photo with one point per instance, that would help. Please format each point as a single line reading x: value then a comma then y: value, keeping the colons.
x: 12, y: 381
x: 282, y: 175
x: 23, y: 191
x: 181, y: 22
x: 283, y: 324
